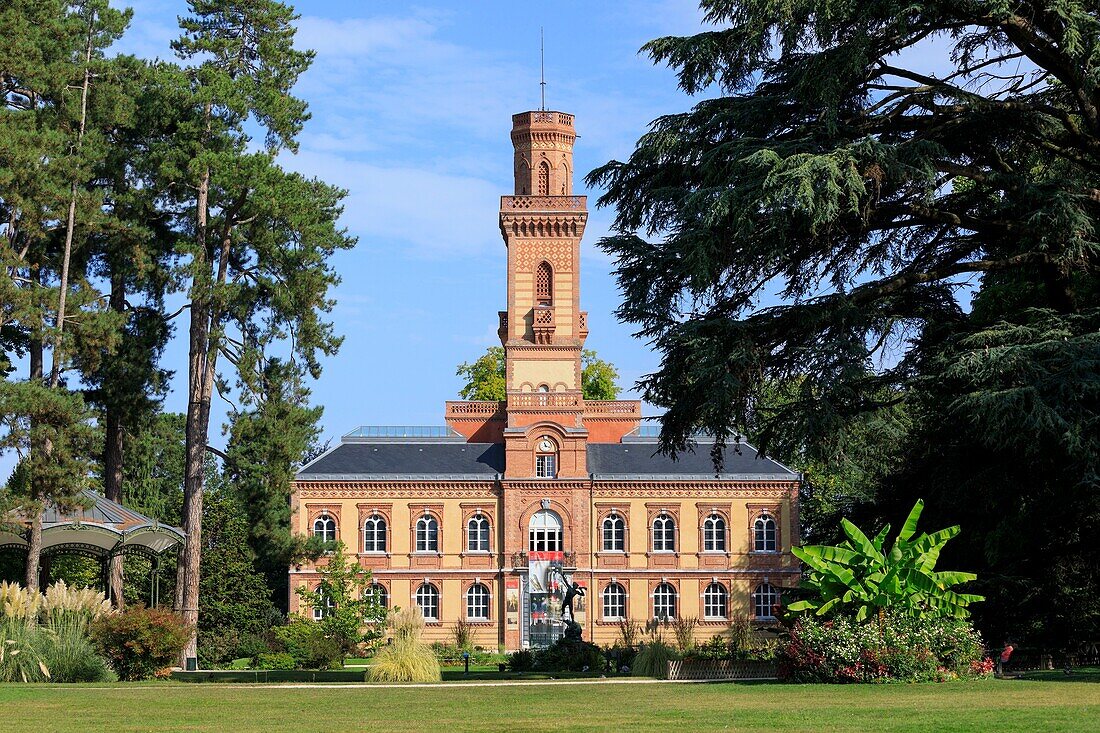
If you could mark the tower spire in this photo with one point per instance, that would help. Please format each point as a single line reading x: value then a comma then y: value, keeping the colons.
x: 542, y: 66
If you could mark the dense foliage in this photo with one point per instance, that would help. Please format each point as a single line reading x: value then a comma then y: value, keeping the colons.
x: 353, y: 617
x: 902, y: 648
x: 139, y: 642
x: 485, y: 378
x: 879, y: 205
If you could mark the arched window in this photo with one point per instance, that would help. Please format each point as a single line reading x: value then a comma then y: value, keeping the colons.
x: 544, y: 179
x: 614, y: 534
x: 664, y: 533
x: 714, y: 534
x: 377, y: 593
x: 477, y: 534
x: 427, y: 599
x: 614, y: 602
x: 546, y: 458
x: 374, y: 534
x: 764, y: 600
x: 324, y: 527
x: 477, y: 603
x: 764, y: 531
x: 427, y: 534
x: 715, y: 601
x: 664, y: 601
x: 545, y: 531
x: 325, y: 607
x: 544, y: 284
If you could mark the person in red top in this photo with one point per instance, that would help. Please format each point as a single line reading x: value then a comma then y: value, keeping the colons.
x: 1006, y: 654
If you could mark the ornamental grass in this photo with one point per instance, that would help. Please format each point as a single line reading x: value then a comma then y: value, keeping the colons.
x: 407, y: 658
x: 653, y: 658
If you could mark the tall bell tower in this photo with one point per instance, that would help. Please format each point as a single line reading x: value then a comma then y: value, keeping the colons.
x: 543, y: 330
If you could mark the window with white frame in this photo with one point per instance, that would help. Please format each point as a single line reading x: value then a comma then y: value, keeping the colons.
x: 374, y: 534
x: 477, y: 534
x: 664, y: 533
x: 427, y: 599
x: 546, y: 465
x: 324, y: 607
x: 427, y: 534
x: 764, y: 600
x: 764, y: 531
x: 545, y: 530
x: 715, y: 602
x: 664, y: 601
x: 614, y: 602
x: 324, y: 527
x: 477, y: 603
x: 614, y: 534
x: 714, y: 534
x: 377, y: 592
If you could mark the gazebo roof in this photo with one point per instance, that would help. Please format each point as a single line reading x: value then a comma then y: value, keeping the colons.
x: 105, y: 528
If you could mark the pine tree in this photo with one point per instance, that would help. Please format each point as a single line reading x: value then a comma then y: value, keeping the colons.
x: 261, y: 237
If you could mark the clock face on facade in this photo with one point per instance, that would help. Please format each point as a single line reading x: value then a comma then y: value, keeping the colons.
x: 546, y: 446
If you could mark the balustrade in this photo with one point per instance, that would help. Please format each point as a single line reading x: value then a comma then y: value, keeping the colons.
x: 543, y: 203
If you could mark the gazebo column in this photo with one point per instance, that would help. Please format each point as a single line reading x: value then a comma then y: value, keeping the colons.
x: 44, y: 564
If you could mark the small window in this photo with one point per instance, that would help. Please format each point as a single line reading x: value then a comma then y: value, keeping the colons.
x: 427, y: 599
x: 326, y: 606
x: 427, y: 534
x: 714, y: 534
x: 544, y: 284
x: 764, y: 601
x: 546, y: 466
x: 374, y: 534
x: 324, y: 527
x: 614, y: 602
x: 664, y: 534
x: 715, y: 602
x: 664, y: 602
x: 477, y: 603
x: 614, y: 534
x: 477, y: 534
x: 544, y: 179
x: 377, y: 593
x: 764, y: 531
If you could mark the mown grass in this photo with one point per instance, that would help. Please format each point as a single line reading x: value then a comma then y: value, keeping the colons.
x: 1002, y: 706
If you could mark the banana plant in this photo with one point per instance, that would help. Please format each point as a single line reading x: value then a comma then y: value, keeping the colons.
x: 862, y: 576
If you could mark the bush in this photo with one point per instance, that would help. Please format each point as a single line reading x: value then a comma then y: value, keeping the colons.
x: 216, y: 648
x: 521, y: 661
x: 406, y: 658
x: 140, y: 642
x: 306, y: 642
x: 273, y: 660
x: 653, y: 658
x: 568, y: 655
x: 902, y: 648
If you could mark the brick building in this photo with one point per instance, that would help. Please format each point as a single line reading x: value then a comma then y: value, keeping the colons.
x: 485, y: 519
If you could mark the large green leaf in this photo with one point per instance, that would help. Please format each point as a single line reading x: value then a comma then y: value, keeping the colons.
x: 910, y: 527
x: 860, y: 541
x: 815, y: 554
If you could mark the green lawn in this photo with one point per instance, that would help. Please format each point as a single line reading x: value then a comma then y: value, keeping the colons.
x: 1003, y: 705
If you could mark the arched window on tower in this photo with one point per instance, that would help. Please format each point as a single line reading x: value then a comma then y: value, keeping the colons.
x: 544, y: 284
x: 544, y: 179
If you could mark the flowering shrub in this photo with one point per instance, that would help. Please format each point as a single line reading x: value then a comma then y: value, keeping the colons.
x: 902, y: 648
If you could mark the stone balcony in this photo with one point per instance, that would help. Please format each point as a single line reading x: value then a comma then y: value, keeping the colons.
x: 542, y: 323
x: 543, y: 203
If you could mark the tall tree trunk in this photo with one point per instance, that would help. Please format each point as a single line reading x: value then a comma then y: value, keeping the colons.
x: 112, y: 453
x: 34, y: 536
x: 200, y: 364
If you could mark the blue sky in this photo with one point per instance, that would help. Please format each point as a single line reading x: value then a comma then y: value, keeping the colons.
x: 411, y: 108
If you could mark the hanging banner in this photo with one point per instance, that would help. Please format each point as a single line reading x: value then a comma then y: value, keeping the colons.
x: 511, y: 602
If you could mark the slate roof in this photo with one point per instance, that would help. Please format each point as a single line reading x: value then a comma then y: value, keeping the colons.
x: 452, y: 460
x: 638, y: 459
x: 354, y: 461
